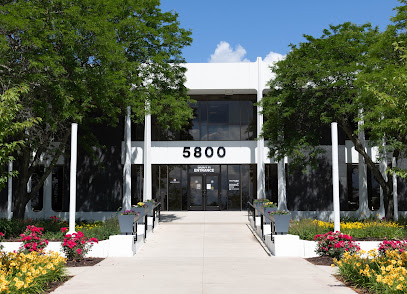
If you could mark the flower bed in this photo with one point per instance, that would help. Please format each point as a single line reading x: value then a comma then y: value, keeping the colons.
x: 376, y: 229
x: 381, y: 273
x: 29, y: 273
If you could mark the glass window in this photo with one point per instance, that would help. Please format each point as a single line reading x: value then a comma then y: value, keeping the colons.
x: 216, y: 118
x: 373, y: 191
x: 58, y: 184
x: 137, y: 181
x: 373, y: 188
x: 353, y: 186
x: 271, y: 182
x: 174, y: 187
x: 37, y: 199
x: 234, y: 202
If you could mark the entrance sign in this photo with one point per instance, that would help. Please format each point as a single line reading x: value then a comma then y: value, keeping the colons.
x: 206, y: 169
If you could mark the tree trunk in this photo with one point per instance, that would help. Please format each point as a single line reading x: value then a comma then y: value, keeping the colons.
x: 20, y: 197
x: 26, y: 168
x: 386, y: 186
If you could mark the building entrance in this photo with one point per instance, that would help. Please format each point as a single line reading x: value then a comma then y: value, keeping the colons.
x: 203, y: 192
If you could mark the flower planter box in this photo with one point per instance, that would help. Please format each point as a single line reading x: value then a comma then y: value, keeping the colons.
x: 149, y: 209
x: 266, y: 211
x: 281, y: 223
x: 142, y: 212
x: 126, y: 223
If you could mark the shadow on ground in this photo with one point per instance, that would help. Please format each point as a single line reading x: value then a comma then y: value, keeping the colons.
x: 167, y: 218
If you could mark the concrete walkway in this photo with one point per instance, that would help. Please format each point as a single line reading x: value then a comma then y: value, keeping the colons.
x: 203, y: 253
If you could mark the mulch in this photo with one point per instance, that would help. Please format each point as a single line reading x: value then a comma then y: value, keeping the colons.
x: 89, y: 261
x: 321, y: 260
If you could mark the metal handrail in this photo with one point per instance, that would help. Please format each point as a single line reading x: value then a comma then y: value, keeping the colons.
x: 251, y: 209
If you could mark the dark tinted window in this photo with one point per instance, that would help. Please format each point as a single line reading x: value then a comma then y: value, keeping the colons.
x: 216, y: 118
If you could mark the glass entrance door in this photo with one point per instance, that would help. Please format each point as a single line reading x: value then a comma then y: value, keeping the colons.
x: 203, y: 192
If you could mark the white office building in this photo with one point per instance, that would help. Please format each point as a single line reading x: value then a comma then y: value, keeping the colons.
x: 215, y: 163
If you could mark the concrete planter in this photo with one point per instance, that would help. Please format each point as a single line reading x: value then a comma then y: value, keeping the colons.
x: 281, y: 223
x: 126, y: 223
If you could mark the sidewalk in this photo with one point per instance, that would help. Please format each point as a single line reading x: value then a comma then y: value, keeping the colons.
x: 203, y: 253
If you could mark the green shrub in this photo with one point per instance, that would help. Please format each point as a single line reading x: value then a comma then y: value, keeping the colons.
x: 306, y: 229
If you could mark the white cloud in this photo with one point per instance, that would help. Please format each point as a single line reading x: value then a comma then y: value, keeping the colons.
x: 273, y: 57
x: 225, y: 53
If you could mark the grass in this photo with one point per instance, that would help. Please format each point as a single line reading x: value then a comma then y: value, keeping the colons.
x: 364, y: 229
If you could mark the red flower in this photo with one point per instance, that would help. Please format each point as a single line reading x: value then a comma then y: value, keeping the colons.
x: 64, y: 230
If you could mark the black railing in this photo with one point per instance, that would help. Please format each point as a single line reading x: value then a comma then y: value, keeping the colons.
x: 251, y: 211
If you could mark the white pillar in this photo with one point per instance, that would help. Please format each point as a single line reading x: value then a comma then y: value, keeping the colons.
x: 383, y: 168
x: 47, y: 196
x: 396, y: 204
x: 72, y: 188
x: 9, y: 190
x: 127, y: 162
x: 335, y: 176
x: 363, y: 197
x: 260, y: 142
x: 282, y: 198
x: 147, y: 189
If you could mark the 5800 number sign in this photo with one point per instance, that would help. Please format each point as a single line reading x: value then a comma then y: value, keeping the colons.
x: 208, y: 152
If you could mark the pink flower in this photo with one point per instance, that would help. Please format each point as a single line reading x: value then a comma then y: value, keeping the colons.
x: 64, y: 230
x: 79, y: 251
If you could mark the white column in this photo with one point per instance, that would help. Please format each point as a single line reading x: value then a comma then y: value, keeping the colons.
x: 282, y: 198
x: 147, y: 189
x: 363, y: 197
x: 9, y: 190
x: 396, y: 203
x: 47, y: 196
x: 383, y: 168
x: 335, y: 176
x: 72, y: 188
x: 127, y: 162
x: 260, y: 142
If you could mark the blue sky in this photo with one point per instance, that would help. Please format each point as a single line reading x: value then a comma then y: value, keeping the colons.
x: 244, y: 30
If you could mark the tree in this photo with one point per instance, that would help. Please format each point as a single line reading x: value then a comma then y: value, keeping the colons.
x: 385, y: 83
x: 85, y: 61
x: 316, y: 85
x: 9, y: 108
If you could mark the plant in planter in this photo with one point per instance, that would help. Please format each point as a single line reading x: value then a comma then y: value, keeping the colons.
x: 141, y: 208
x: 280, y: 221
x: 260, y: 202
x: 335, y: 244
x: 150, y: 206
x: 267, y: 208
x: 126, y: 220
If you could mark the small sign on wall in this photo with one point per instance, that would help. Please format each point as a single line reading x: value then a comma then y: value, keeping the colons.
x: 234, y: 185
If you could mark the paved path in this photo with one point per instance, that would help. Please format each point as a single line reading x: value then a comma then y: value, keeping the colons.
x: 203, y: 253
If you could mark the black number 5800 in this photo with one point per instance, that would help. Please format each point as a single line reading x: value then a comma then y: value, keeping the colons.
x: 221, y: 152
